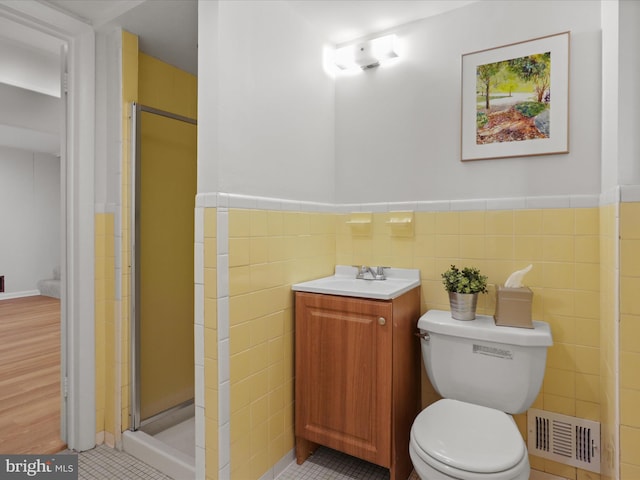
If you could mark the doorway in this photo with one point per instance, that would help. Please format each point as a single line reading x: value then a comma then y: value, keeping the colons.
x: 32, y: 402
x: 77, y: 349
x: 164, y: 191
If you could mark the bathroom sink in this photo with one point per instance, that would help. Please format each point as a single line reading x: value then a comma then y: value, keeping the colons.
x: 344, y: 283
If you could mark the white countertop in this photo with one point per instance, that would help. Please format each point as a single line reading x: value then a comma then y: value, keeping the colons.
x: 344, y: 283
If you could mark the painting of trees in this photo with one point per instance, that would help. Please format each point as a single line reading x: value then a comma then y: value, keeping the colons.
x: 486, y: 74
x: 514, y: 99
x: 535, y: 69
x: 506, y: 99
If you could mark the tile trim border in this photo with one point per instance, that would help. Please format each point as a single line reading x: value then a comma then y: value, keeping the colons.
x: 224, y: 357
x: 630, y: 193
x: 200, y: 453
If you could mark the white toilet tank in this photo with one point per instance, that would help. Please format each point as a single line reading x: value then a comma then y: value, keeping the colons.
x: 481, y: 363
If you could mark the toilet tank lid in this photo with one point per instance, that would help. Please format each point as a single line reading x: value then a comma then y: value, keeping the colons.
x: 484, y: 328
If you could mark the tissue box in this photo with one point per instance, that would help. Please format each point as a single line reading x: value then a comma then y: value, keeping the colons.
x: 513, y: 307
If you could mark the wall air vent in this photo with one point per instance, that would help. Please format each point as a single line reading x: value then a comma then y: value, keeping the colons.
x: 564, y: 439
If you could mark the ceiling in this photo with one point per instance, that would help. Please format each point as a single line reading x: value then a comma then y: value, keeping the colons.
x: 168, y: 29
x: 341, y: 21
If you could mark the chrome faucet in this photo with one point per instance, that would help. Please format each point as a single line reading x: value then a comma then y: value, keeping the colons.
x: 370, y: 273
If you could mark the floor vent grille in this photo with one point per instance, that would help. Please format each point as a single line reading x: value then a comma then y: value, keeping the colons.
x: 564, y: 439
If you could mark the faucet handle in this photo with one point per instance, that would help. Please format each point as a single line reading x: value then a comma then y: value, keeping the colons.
x: 362, y: 270
x: 380, y: 273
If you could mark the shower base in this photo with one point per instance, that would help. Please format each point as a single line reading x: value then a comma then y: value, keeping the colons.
x: 167, y: 443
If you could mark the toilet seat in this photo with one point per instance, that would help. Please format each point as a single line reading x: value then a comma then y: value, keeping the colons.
x: 464, y: 440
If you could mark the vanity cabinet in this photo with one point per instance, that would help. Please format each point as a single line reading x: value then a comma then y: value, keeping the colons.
x: 357, y: 367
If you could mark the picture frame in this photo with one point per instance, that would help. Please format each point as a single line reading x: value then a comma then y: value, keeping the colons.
x: 515, y: 99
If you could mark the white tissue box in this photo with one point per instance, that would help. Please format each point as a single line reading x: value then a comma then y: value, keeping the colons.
x: 513, y: 307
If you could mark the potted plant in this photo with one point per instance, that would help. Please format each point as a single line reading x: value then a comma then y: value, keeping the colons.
x: 463, y: 286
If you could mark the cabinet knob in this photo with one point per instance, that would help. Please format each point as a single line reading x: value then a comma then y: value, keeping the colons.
x: 382, y: 320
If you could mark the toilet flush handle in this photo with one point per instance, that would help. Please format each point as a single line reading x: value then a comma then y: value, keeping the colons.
x: 423, y: 335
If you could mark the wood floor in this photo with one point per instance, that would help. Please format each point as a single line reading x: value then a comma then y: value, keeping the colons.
x: 30, y: 376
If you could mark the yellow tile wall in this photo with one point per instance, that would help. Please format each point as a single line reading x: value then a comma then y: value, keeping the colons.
x: 104, y: 320
x: 211, y: 343
x: 564, y: 247
x: 166, y: 87
x: 629, y: 340
x: 268, y: 251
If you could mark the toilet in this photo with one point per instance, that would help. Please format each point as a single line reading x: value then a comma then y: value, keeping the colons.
x: 484, y: 373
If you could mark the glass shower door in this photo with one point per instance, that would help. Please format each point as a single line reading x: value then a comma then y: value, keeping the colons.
x: 165, y: 190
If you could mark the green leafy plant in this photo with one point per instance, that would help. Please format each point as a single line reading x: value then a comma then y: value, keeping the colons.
x: 467, y: 280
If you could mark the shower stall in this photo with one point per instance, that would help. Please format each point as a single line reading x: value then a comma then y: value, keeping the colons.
x: 163, y: 191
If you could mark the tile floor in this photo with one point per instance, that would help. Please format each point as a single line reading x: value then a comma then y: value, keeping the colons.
x: 327, y: 464
x: 105, y: 463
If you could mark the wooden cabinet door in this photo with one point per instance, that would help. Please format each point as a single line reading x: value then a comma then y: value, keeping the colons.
x: 343, y: 374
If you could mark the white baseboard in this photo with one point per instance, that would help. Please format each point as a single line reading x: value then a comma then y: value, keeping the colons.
x: 25, y: 293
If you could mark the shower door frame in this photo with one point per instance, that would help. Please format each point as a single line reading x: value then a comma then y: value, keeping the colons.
x: 135, y: 362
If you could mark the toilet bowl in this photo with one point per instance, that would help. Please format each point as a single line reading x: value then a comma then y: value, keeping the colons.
x: 458, y: 440
x: 484, y: 373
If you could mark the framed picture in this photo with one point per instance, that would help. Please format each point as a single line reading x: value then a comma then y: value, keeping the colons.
x: 515, y: 99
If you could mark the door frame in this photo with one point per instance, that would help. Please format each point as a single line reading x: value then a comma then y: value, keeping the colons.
x: 78, y: 413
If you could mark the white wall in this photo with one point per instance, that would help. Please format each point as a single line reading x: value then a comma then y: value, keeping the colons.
x: 24, y: 108
x: 208, y: 108
x: 273, y: 123
x: 109, y: 119
x: 29, y: 119
x: 29, y: 218
x: 31, y: 67
x: 610, y: 103
x: 629, y: 97
x: 398, y: 128
x: 275, y: 103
